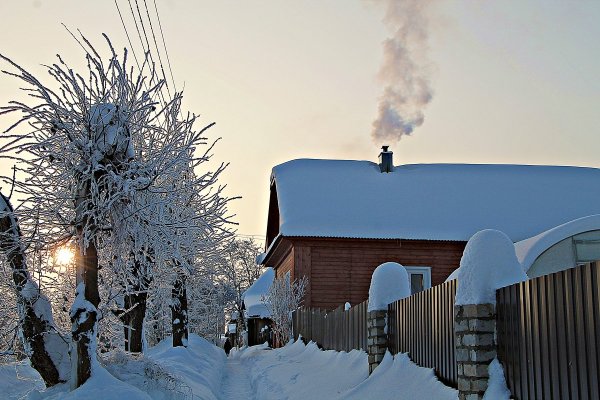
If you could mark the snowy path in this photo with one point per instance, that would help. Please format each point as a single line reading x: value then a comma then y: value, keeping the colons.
x: 236, y: 382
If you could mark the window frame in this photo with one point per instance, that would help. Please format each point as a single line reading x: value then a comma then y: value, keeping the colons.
x: 422, y: 270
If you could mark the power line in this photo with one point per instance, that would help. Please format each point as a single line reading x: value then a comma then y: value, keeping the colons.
x: 146, y: 51
x: 165, y: 46
x: 127, y: 34
x: 156, y: 45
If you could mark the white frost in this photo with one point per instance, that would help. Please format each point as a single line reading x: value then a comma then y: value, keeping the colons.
x: 488, y: 263
x: 109, y: 125
x: 388, y: 284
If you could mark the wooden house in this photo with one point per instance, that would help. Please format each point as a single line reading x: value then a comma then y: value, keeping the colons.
x: 335, y: 221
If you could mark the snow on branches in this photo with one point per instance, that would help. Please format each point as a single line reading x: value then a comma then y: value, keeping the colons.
x: 281, y: 300
x: 105, y: 158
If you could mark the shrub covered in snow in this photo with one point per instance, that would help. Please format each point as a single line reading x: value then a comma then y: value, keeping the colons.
x: 388, y: 284
x: 488, y: 263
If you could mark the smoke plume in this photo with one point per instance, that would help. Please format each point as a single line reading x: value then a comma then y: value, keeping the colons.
x: 404, y: 71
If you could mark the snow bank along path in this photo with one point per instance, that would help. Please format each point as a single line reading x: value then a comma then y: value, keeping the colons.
x: 299, y: 372
x: 294, y: 372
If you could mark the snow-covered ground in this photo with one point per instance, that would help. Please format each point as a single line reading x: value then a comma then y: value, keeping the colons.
x: 299, y: 372
x: 202, y: 371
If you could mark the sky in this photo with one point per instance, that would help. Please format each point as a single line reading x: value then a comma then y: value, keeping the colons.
x: 513, y: 81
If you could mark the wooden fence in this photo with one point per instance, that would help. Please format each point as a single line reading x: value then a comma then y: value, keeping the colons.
x: 422, y: 325
x: 549, y: 335
x: 333, y: 330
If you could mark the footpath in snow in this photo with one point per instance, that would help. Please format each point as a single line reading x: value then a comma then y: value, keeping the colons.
x: 203, y: 372
x: 236, y: 382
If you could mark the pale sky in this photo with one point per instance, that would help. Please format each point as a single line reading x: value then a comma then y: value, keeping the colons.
x: 514, y: 81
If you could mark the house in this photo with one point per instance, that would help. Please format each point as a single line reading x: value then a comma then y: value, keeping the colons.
x: 335, y: 221
x: 258, y: 316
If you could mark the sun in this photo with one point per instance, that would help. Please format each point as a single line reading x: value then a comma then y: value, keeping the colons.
x: 64, y: 255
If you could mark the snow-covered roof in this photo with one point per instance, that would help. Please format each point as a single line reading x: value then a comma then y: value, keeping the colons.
x: 253, y: 295
x: 353, y: 199
x: 530, y: 249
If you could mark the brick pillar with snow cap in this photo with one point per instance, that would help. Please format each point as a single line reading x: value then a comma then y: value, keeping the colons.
x: 388, y: 284
x: 488, y: 263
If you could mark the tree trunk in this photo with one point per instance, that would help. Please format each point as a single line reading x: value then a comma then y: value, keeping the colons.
x: 133, y: 321
x: 179, y: 312
x: 35, y: 326
x: 84, y: 312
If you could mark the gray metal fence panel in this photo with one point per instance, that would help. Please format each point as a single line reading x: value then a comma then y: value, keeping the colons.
x: 422, y: 325
x: 548, y: 330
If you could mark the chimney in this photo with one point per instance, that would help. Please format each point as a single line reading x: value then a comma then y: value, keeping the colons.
x: 386, y: 163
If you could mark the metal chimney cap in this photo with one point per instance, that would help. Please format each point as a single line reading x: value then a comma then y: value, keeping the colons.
x: 384, y: 148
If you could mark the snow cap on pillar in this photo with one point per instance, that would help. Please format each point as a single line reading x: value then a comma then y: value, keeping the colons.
x: 389, y: 283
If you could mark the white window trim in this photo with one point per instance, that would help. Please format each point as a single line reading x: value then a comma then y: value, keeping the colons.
x: 425, y: 271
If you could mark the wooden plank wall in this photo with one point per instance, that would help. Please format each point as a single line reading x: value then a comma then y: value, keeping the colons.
x: 549, y: 335
x: 340, y: 270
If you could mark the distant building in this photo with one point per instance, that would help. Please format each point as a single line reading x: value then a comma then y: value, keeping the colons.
x: 335, y: 221
x: 258, y: 317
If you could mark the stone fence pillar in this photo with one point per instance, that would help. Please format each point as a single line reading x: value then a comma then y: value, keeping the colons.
x: 376, y: 338
x: 474, y: 329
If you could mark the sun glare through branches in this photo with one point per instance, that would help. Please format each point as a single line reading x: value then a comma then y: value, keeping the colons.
x: 64, y: 256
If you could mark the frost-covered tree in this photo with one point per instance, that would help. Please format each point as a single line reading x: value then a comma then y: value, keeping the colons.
x: 281, y: 300
x: 239, y: 271
x: 102, y: 156
x: 41, y: 341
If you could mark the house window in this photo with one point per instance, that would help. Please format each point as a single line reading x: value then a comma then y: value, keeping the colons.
x: 288, y: 278
x: 419, y: 278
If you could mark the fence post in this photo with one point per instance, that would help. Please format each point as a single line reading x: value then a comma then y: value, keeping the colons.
x: 376, y: 337
x: 474, y: 327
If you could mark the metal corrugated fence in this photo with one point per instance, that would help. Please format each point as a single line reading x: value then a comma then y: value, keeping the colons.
x: 333, y: 330
x: 423, y: 326
x: 549, y: 335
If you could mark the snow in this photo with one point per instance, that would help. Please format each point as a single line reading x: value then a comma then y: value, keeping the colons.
x: 253, y: 296
x: 199, y: 366
x: 399, y: 378
x: 497, y: 389
x: 102, y: 385
x: 389, y: 283
x: 530, y: 249
x: 165, y: 372
x: 202, y: 371
x: 109, y: 125
x: 260, y: 258
x: 339, y: 198
x: 18, y: 379
x: 299, y: 371
x: 488, y: 263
